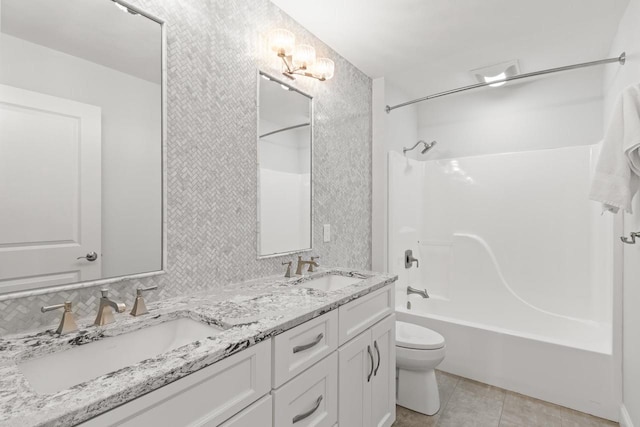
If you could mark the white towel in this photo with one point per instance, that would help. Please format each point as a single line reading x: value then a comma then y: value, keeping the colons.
x: 617, y: 176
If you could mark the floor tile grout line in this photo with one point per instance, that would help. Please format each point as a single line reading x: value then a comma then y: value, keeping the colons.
x: 444, y: 407
x: 504, y: 399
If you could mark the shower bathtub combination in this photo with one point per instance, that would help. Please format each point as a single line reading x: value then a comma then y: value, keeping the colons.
x: 518, y: 266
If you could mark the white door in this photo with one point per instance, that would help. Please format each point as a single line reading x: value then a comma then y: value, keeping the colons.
x: 383, y: 382
x: 50, y: 190
x: 355, y: 369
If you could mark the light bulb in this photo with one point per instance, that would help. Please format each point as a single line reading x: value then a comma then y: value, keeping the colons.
x: 324, y: 68
x: 489, y: 79
x: 304, y: 56
x: 281, y: 41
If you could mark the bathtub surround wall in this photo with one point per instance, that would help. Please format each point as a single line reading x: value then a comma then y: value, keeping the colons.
x: 628, y: 257
x: 214, y: 51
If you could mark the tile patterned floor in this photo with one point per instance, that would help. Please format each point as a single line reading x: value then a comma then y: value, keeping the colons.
x: 467, y: 403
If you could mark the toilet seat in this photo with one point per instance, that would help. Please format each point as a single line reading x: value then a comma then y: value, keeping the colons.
x: 417, y: 337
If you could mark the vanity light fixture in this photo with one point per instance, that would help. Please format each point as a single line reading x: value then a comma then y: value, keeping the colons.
x: 299, y: 59
x: 497, y: 73
x: 124, y: 8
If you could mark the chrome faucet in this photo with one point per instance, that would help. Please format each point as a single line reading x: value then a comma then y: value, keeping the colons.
x: 105, y: 311
x: 423, y: 293
x: 302, y: 263
x: 67, y: 323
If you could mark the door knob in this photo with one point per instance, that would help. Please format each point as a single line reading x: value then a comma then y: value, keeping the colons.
x: 91, y: 256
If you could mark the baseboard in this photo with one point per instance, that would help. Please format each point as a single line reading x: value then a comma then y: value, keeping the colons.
x: 625, y: 419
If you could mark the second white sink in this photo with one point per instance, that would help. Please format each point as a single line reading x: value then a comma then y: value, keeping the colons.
x: 330, y: 282
x: 59, y: 371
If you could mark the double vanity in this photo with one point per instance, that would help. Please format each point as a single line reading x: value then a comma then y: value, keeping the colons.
x: 313, y: 350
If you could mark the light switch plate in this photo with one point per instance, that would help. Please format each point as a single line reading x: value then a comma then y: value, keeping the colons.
x: 326, y: 232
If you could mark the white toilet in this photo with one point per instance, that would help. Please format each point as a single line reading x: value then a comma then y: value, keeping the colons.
x: 418, y: 351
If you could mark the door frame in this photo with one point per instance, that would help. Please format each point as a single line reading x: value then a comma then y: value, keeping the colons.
x: 163, y: 171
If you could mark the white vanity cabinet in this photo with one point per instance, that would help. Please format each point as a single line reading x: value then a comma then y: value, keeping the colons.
x: 366, y: 375
x: 337, y: 369
x: 205, y: 398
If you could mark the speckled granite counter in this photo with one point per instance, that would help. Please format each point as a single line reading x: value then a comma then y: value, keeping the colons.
x: 248, y: 312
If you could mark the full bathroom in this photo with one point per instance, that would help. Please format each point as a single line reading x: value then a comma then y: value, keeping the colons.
x: 277, y: 213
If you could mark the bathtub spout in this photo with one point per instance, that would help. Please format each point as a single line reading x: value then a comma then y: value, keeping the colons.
x: 423, y: 293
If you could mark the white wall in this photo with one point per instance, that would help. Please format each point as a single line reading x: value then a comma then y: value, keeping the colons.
x: 131, y: 117
x: 555, y: 111
x: 391, y: 132
x: 616, y: 79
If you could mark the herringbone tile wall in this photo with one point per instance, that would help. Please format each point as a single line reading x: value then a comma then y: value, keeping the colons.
x: 215, y: 48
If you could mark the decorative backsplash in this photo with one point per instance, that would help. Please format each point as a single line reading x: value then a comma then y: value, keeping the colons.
x: 215, y: 48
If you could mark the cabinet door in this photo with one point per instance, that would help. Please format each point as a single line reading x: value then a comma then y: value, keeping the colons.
x: 383, y: 382
x: 355, y: 365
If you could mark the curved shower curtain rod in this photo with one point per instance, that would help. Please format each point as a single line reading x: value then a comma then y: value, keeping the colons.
x: 620, y: 59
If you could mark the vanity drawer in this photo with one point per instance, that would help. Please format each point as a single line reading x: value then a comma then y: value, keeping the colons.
x: 260, y: 414
x: 310, y: 399
x: 205, y: 398
x: 360, y: 314
x: 298, y: 348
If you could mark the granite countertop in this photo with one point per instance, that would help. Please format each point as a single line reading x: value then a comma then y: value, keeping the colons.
x: 248, y: 313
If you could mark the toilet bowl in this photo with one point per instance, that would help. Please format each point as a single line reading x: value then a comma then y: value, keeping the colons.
x: 418, y: 351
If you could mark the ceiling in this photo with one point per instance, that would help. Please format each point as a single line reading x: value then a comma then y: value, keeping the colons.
x: 422, y: 45
x: 93, y: 30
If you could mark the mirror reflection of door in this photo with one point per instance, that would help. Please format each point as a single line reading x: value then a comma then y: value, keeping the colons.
x: 50, y: 183
x: 80, y: 143
x: 284, y: 157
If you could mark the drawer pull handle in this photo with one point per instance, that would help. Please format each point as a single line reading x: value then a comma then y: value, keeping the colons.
x: 375, y: 344
x: 371, y: 357
x: 309, y: 412
x: 299, y: 348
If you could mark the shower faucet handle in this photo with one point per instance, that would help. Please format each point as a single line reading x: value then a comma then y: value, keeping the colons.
x: 631, y: 240
x: 409, y: 259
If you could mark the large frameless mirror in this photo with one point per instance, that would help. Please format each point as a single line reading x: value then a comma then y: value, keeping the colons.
x: 285, y: 137
x: 81, y: 143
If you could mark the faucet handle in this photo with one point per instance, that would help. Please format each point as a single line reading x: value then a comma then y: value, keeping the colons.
x: 67, y: 323
x: 105, y: 293
x: 139, y: 291
x: 139, y: 306
x: 311, y: 264
x: 288, y: 264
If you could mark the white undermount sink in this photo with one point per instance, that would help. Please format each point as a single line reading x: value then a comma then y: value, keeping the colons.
x: 330, y: 282
x: 59, y: 371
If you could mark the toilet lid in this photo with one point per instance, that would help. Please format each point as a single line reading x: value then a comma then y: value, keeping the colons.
x: 417, y: 337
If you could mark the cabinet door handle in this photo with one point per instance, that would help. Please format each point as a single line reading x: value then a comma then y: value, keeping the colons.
x: 370, y: 357
x: 375, y: 345
x: 304, y: 415
x: 299, y: 348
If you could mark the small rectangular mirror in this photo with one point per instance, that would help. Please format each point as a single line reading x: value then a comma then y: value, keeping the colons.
x: 81, y: 143
x: 285, y: 139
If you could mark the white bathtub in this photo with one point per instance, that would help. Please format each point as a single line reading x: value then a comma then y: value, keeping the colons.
x: 548, y: 359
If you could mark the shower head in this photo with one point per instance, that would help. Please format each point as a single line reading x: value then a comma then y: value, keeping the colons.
x: 428, y: 146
